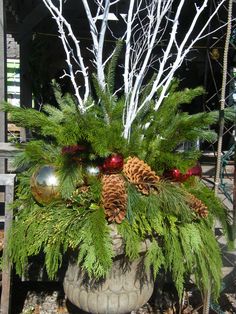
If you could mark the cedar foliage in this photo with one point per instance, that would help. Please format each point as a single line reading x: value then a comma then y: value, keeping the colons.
x: 181, y: 242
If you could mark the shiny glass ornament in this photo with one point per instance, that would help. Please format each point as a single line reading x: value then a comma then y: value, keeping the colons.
x: 113, y: 164
x: 77, y: 152
x: 44, y: 185
x: 196, y: 170
x: 176, y: 175
x: 91, y: 171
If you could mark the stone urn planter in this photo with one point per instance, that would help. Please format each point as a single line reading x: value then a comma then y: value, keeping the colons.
x: 126, y: 288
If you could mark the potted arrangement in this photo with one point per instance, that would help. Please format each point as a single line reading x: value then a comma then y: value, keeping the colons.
x: 81, y: 177
x: 102, y: 178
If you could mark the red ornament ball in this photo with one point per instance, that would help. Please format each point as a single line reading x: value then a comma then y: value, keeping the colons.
x: 73, y: 149
x: 177, y: 176
x: 113, y: 164
x: 196, y: 170
x: 77, y: 152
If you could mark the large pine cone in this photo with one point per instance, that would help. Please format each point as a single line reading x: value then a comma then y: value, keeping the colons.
x: 140, y: 174
x: 114, y: 197
x: 197, y: 206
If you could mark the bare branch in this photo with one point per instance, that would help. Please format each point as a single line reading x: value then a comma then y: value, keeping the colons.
x: 132, y: 106
x: 93, y: 27
x: 61, y: 23
x: 100, y: 65
x: 182, y: 49
x: 128, y: 46
x: 98, y: 36
x: 147, y: 23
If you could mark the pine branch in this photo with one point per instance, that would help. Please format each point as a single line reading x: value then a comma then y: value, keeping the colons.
x: 111, y: 69
x: 70, y: 176
x: 215, y: 206
x: 33, y: 120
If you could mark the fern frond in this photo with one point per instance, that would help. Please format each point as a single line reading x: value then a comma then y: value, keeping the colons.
x: 95, y: 242
x: 131, y: 238
x: 154, y: 258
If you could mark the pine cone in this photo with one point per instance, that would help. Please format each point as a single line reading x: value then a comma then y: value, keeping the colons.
x: 140, y: 174
x: 198, y: 206
x: 114, y: 197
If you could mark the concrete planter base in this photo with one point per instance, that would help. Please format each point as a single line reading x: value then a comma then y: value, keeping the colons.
x: 127, y: 287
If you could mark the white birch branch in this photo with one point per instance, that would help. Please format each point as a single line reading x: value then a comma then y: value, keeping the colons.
x: 100, y: 65
x: 128, y: 47
x: 61, y: 23
x: 147, y: 22
x: 98, y: 37
x: 132, y: 106
x: 92, y: 25
x: 163, y: 81
x: 182, y: 53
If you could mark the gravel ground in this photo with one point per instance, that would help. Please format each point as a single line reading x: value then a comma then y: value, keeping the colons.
x: 53, y: 302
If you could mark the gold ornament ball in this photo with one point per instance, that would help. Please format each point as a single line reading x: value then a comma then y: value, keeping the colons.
x: 45, y: 185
